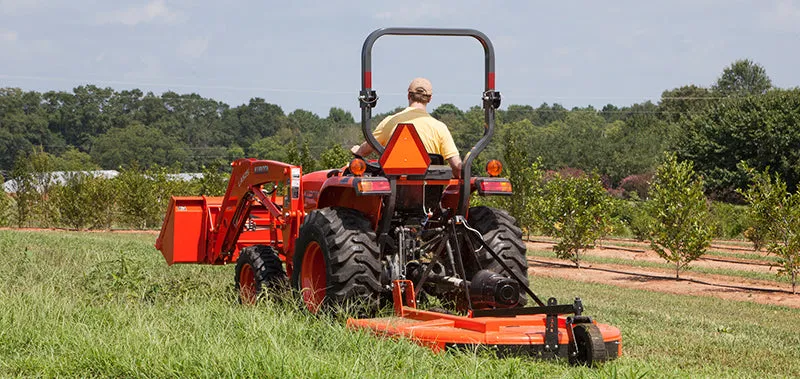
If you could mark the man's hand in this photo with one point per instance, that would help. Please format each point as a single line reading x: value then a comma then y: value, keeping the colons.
x: 362, y: 150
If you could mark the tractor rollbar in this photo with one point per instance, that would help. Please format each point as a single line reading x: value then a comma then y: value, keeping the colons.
x: 490, y: 98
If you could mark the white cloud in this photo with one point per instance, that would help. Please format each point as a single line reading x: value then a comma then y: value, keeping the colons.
x: 153, y: 11
x: 193, y: 48
x: 784, y: 15
x: 8, y: 35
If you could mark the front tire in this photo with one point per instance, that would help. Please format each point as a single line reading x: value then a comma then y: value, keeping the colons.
x: 336, y: 261
x: 505, y: 238
x: 258, y: 268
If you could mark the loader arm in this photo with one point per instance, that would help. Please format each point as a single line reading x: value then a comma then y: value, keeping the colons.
x: 244, y: 189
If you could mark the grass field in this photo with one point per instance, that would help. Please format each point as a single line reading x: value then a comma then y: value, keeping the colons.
x: 106, y: 304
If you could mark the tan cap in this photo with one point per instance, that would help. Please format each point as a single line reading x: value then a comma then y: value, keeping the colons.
x: 421, y: 86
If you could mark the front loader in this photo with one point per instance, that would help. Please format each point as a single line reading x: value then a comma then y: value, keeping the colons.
x: 397, y: 231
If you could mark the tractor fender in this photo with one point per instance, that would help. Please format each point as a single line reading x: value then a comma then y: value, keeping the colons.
x: 339, y: 191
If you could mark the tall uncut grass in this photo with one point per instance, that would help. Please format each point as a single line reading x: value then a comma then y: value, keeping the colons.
x: 106, y: 304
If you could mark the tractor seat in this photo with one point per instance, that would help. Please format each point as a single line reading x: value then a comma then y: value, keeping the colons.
x: 410, y: 197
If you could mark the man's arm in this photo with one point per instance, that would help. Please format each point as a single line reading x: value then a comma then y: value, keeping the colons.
x: 455, y: 164
x: 362, y: 150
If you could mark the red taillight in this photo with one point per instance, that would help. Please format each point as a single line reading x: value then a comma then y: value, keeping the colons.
x: 496, y: 187
x: 374, y: 187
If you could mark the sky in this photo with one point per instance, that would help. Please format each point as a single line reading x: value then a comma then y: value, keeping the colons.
x: 306, y: 54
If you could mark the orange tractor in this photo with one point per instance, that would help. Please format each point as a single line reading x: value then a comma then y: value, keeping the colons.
x: 398, y: 231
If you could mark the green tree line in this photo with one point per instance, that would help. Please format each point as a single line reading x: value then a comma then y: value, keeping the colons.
x: 740, y: 117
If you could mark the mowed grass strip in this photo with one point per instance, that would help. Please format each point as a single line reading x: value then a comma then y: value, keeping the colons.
x: 668, y: 267
x: 106, y: 304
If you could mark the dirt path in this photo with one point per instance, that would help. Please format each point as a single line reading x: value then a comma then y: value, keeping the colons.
x: 663, y: 280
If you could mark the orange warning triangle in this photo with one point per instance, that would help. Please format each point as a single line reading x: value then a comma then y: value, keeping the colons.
x: 405, y: 154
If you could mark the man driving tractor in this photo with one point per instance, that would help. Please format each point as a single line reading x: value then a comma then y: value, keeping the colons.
x: 433, y: 133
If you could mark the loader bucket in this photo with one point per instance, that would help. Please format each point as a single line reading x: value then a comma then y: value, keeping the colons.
x: 183, y: 234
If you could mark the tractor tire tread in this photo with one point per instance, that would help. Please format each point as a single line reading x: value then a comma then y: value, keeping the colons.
x: 349, y: 247
x: 267, y: 267
x: 500, y: 232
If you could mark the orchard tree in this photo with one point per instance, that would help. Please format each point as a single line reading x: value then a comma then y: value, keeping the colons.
x: 84, y: 201
x: 33, y: 181
x: 6, y: 209
x: 525, y: 178
x: 214, y: 181
x: 764, y: 197
x: 776, y: 218
x: 742, y: 78
x: 576, y: 211
x: 335, y: 157
x: 300, y: 156
x: 139, y: 207
x: 678, y: 229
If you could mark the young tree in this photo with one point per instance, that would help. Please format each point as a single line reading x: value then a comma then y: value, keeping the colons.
x: 335, y: 157
x: 214, y: 181
x: 576, y: 210
x: 138, y: 205
x: 776, y: 218
x: 300, y: 156
x: 678, y: 230
x: 764, y: 197
x: 72, y: 201
x: 33, y: 180
x: 6, y: 209
x: 23, y: 189
x: 525, y: 178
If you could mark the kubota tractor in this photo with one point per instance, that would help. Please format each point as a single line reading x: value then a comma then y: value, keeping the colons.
x: 397, y: 230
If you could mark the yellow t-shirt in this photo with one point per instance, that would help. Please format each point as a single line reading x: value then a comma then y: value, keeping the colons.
x: 433, y: 133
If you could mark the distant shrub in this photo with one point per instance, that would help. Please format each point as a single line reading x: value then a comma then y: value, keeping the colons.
x: 631, y: 218
x: 638, y: 184
x: 565, y: 172
x: 729, y: 220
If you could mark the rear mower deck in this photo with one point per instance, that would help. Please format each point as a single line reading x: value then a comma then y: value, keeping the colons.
x: 577, y: 338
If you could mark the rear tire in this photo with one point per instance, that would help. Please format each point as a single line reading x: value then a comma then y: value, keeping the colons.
x: 505, y: 238
x: 336, y: 262
x: 258, y: 268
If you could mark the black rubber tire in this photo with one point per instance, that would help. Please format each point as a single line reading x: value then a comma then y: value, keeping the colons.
x: 501, y: 233
x: 591, y: 348
x: 267, y: 270
x: 351, y: 257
